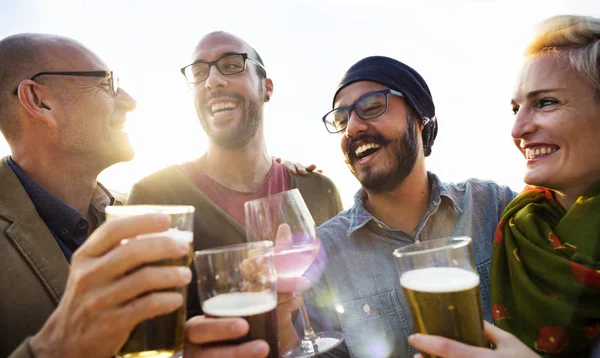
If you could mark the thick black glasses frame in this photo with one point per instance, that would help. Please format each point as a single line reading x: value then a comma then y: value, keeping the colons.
x: 352, y: 107
x: 214, y: 63
x: 106, y: 74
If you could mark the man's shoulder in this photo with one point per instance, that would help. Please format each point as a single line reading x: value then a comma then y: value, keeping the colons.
x: 475, y: 185
x: 161, y: 176
x: 339, y: 223
x: 14, y: 200
x: 479, y: 189
x: 316, y: 179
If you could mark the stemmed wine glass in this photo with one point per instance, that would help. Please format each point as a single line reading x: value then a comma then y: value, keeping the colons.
x: 284, y: 219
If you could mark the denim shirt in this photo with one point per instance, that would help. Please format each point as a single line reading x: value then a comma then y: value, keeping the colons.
x: 355, y: 282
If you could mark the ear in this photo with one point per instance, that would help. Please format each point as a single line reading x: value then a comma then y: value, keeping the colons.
x: 268, y: 89
x: 38, y: 101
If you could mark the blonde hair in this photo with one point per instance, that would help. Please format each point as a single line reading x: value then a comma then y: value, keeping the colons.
x: 577, y: 38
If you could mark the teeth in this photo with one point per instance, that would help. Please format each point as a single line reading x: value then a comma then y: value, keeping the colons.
x: 531, y: 153
x: 361, y: 149
x: 224, y: 106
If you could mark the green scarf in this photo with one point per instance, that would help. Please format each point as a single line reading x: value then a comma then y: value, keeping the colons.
x: 546, y: 272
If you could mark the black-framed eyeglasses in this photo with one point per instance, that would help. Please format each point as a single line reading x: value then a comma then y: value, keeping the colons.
x: 111, y: 77
x: 368, y: 106
x: 228, y: 65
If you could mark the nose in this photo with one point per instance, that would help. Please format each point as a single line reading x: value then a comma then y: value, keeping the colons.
x: 215, y: 79
x: 524, y: 123
x: 125, y: 100
x: 356, y: 125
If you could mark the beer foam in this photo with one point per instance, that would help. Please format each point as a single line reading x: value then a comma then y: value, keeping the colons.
x: 240, y: 304
x: 185, y: 236
x: 439, y: 279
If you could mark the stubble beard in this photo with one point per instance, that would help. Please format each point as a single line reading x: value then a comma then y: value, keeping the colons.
x: 385, y: 180
x: 244, y: 131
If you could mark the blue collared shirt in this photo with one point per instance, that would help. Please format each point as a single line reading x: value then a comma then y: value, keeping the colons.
x: 355, y: 282
x: 68, y: 226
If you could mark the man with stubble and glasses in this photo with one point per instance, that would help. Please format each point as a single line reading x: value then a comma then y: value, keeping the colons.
x: 384, y: 115
x: 231, y: 87
x: 69, y: 288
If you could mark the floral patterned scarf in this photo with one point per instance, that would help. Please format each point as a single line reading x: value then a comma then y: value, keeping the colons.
x: 546, y: 272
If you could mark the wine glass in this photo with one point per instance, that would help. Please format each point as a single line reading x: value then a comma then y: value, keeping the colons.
x: 284, y: 219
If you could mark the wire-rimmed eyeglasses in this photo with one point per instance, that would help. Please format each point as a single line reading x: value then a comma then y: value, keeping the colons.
x: 111, y: 77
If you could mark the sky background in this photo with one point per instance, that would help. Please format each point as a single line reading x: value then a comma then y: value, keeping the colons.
x: 468, y: 51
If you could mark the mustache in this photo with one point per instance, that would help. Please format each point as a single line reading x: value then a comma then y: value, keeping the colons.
x: 371, y: 138
x: 219, y: 94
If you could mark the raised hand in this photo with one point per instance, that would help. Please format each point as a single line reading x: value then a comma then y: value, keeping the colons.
x: 207, y: 338
x: 298, y: 168
x: 507, y: 346
x: 109, y: 291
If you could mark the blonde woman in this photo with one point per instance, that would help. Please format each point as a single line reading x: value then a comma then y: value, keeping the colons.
x: 546, y: 259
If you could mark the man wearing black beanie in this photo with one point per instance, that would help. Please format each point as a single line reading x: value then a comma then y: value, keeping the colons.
x: 384, y: 115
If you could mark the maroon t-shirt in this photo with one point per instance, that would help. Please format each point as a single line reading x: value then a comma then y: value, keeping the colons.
x: 232, y: 201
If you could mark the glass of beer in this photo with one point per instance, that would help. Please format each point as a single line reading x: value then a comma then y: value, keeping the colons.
x: 441, y: 285
x: 239, y: 281
x: 161, y: 336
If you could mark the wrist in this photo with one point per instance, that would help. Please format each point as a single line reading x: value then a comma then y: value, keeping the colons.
x: 41, y: 345
x: 34, y: 348
x: 287, y: 335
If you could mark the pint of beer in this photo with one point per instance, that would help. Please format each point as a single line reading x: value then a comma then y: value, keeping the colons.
x: 162, y: 336
x: 441, y: 285
x: 240, y: 281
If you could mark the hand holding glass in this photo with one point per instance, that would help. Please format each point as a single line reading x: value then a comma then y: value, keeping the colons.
x: 240, y: 281
x: 284, y: 219
x: 441, y: 285
x: 162, y: 336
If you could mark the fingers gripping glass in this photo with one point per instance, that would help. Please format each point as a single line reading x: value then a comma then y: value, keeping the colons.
x: 284, y: 219
x: 441, y: 285
x: 228, y: 65
x: 368, y: 106
x: 111, y: 77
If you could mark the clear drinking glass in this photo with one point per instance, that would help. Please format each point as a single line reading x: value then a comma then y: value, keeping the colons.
x: 240, y: 281
x: 441, y: 285
x: 284, y: 219
x: 162, y: 336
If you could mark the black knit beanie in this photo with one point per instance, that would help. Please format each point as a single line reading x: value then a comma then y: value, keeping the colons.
x: 399, y: 77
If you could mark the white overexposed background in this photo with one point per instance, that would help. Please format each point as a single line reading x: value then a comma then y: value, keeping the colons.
x: 468, y: 51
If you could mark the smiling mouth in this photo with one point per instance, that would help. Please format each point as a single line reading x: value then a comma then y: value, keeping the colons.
x: 365, y: 150
x: 219, y: 109
x: 531, y: 153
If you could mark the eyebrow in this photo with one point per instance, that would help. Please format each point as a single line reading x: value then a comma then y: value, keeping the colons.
x: 228, y: 53
x: 536, y: 93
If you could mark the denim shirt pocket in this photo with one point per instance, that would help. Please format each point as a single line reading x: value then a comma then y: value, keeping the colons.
x: 484, y: 271
x: 375, y: 326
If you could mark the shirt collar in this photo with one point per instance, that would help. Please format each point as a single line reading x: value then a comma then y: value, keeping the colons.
x: 58, y: 216
x: 359, y: 216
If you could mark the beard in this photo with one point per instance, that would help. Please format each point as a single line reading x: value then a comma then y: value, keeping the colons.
x: 239, y: 135
x: 396, y: 169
